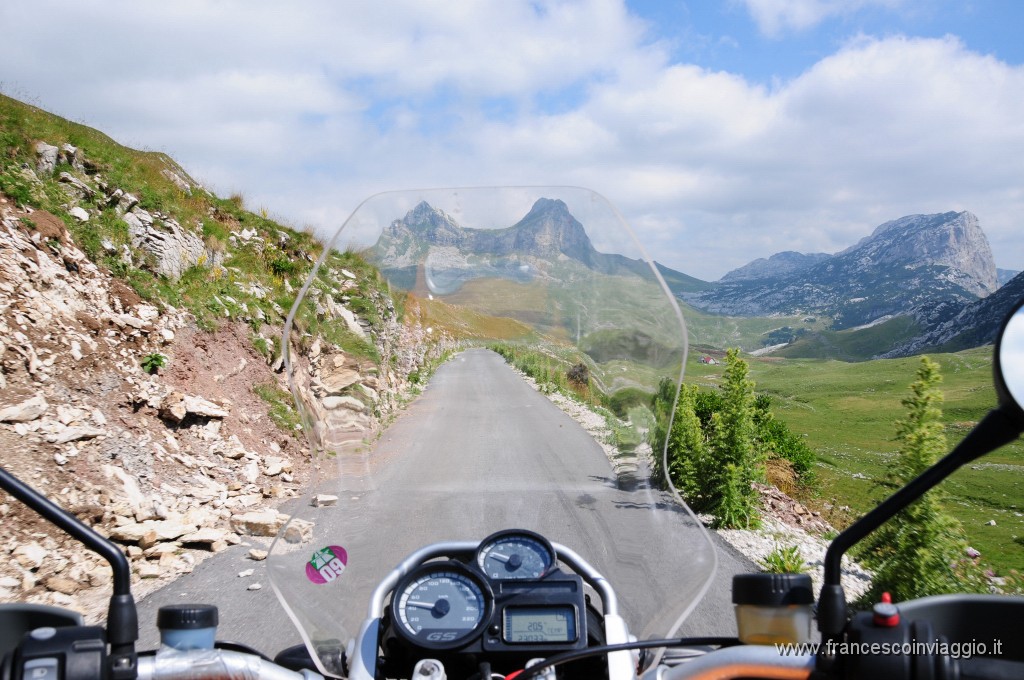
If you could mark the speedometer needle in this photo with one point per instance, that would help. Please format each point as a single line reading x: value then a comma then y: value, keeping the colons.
x: 417, y: 603
x: 500, y: 557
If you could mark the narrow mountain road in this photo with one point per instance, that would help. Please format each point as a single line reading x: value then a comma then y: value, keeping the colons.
x: 480, y: 451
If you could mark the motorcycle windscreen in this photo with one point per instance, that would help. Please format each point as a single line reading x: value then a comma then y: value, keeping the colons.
x: 519, y: 373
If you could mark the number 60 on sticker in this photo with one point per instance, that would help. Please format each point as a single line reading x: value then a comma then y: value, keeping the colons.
x: 327, y: 564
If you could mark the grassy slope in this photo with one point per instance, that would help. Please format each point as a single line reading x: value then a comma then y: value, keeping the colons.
x: 853, y: 345
x: 747, y: 333
x: 846, y: 411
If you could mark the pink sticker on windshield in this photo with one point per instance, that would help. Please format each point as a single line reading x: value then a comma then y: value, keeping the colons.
x: 327, y: 564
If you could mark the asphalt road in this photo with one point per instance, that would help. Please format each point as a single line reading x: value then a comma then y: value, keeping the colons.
x: 479, y: 451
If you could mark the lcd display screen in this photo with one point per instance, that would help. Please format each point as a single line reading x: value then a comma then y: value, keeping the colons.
x: 539, y: 624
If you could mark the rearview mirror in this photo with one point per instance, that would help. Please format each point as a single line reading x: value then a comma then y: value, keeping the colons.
x: 1009, y: 361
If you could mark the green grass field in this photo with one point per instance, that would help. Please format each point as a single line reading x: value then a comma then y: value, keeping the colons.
x: 747, y: 333
x: 846, y: 412
x: 853, y: 344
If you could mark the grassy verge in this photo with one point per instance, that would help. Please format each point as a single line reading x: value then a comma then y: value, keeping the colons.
x: 282, y: 407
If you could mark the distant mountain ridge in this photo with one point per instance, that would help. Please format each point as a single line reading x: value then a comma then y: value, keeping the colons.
x: 912, y: 284
x: 951, y: 239
x: 548, y: 231
x: 779, y: 264
x: 1006, y: 275
x: 904, y: 264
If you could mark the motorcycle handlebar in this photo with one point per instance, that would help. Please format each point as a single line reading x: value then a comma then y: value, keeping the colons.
x: 214, y: 664
x: 742, y: 661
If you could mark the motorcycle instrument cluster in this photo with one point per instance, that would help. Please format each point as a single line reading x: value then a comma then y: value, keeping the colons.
x: 509, y: 598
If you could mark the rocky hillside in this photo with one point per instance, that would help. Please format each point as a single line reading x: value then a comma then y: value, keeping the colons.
x: 915, y: 261
x: 971, y: 325
x: 140, y: 367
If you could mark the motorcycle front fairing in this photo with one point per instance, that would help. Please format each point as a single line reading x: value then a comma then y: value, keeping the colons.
x: 549, y: 281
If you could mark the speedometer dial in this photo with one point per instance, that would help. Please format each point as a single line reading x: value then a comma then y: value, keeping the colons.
x: 441, y: 605
x: 515, y: 554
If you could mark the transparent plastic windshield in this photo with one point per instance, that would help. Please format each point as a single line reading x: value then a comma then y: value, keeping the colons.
x: 500, y: 373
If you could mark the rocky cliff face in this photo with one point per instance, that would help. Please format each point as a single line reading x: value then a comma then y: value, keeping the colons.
x: 952, y: 240
x: 183, y: 459
x: 968, y: 325
x: 547, y: 231
x: 905, y: 264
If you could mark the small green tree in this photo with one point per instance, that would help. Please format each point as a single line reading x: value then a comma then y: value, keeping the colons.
x: 922, y: 550
x: 736, y: 501
x: 661, y: 405
x: 689, y: 463
x: 733, y: 444
x: 713, y: 429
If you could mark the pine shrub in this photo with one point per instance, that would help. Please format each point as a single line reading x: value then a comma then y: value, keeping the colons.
x: 923, y: 549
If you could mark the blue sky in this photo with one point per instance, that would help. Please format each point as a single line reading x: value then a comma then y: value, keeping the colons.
x: 724, y: 131
x: 775, y: 43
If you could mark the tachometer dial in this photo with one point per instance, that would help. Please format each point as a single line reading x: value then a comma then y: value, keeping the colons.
x: 515, y: 554
x: 441, y: 605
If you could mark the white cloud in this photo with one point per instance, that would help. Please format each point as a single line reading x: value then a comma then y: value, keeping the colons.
x: 775, y: 17
x: 881, y: 129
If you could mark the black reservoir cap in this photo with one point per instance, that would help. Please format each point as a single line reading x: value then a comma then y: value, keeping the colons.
x: 772, y: 590
x: 186, y: 616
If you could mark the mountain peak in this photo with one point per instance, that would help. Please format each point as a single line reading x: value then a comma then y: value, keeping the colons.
x: 422, y: 208
x: 426, y: 213
x: 905, y: 263
x: 952, y: 239
x: 915, y: 222
x: 548, y: 205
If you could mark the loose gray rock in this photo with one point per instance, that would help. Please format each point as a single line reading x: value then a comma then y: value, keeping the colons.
x: 30, y: 555
x: 25, y: 411
x: 79, y: 214
x: 76, y: 188
x: 72, y: 434
x: 177, y: 406
x: 173, y: 248
x: 46, y: 158
x: 165, y: 530
x: 259, y: 523
x: 323, y: 500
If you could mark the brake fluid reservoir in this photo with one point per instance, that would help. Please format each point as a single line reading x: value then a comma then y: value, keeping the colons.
x: 773, y: 608
x: 187, y: 626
